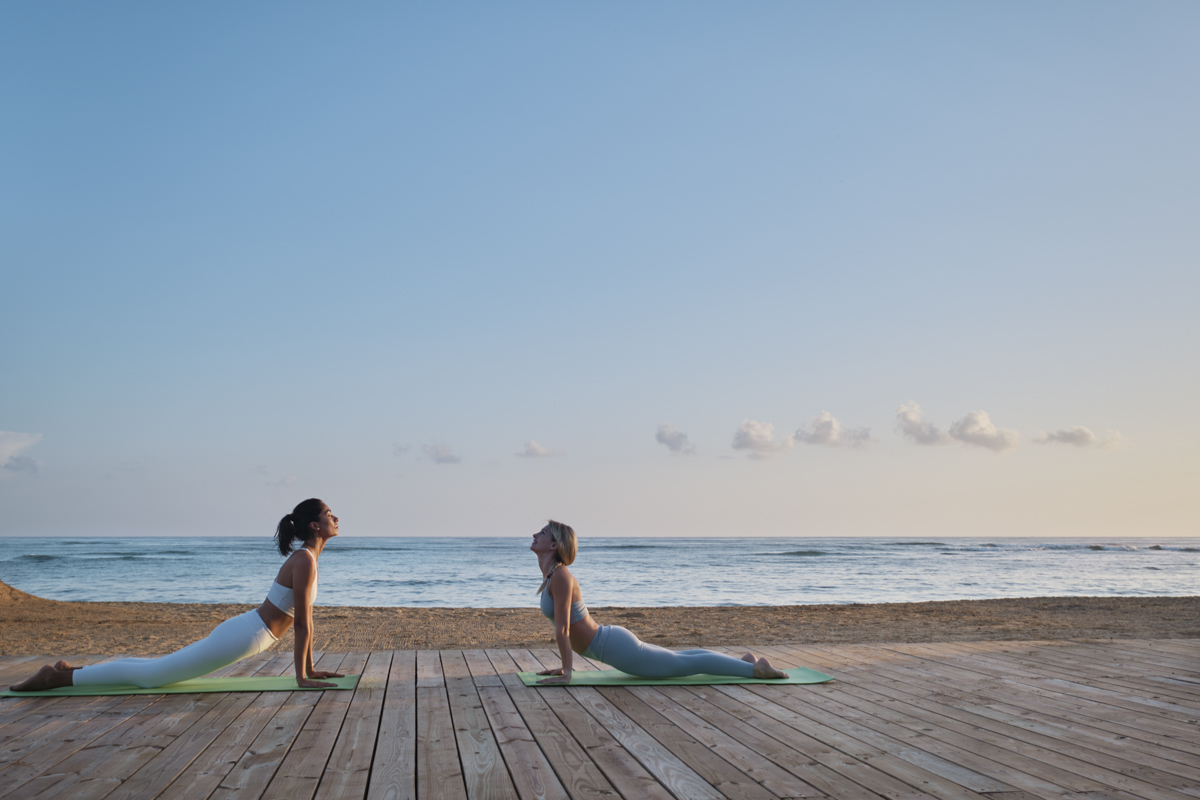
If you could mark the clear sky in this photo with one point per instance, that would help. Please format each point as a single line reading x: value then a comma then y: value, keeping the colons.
x: 920, y: 269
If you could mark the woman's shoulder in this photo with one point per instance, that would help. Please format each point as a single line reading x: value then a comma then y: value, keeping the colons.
x: 562, y: 577
x: 301, y: 559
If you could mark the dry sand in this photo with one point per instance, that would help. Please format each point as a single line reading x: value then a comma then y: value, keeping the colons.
x: 34, y: 626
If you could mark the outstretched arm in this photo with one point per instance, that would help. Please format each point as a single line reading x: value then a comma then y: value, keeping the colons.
x: 304, y: 575
x: 561, y: 583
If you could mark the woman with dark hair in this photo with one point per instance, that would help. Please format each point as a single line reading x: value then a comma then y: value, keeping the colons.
x: 576, y: 631
x: 290, y: 599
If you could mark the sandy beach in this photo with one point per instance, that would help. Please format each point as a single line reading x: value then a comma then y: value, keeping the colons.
x: 36, y: 626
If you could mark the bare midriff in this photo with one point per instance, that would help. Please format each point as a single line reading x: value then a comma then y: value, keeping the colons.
x: 582, y: 633
x: 276, y: 621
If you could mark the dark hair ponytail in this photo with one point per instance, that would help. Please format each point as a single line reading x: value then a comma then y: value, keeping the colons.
x: 294, y: 526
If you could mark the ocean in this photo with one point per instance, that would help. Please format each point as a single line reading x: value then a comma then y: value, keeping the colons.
x: 502, y: 573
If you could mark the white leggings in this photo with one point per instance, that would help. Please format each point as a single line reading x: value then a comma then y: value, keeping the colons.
x: 232, y: 640
x: 619, y: 648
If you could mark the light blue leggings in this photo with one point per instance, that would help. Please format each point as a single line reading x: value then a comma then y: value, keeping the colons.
x: 619, y: 648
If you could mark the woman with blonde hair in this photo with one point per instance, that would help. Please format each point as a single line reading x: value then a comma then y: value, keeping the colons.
x: 576, y: 632
x: 290, y: 599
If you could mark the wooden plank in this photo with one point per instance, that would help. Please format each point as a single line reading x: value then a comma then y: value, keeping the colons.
x: 1026, y: 675
x: 1116, y: 654
x: 710, y: 765
x: 1070, y: 666
x: 439, y: 776
x: 173, y: 759
x: 813, y: 761
x: 532, y: 775
x: 939, y: 776
x: 772, y: 777
x: 1120, y: 741
x: 301, y: 769
x: 429, y: 670
x: 394, y: 771
x: 161, y: 770
x: 348, y: 771
x: 881, y: 727
x: 870, y: 696
x: 16, y: 668
x: 848, y: 758
x: 49, y: 723
x: 115, y: 710
x: 481, y: 668
x: 43, y: 759
x: 206, y: 772
x: 579, y: 736
x: 1109, y: 692
x: 483, y: 767
x: 1068, y: 760
x: 256, y: 768
x: 1020, y: 682
x: 1079, y: 743
x: 100, y: 768
x: 680, y: 779
x: 1131, y: 652
x: 581, y: 778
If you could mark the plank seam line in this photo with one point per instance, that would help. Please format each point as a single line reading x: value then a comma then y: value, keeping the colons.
x: 282, y: 758
x: 341, y: 725
x: 453, y: 731
x: 536, y: 743
x: 387, y: 687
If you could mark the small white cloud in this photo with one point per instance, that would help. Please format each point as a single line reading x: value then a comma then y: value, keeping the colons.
x: 399, y: 449
x: 976, y: 428
x: 11, y: 446
x: 440, y: 454
x: 828, y: 431
x: 1077, y: 435
x: 911, y: 422
x: 535, y: 450
x: 675, y: 439
x: 1113, y: 440
x: 759, y: 439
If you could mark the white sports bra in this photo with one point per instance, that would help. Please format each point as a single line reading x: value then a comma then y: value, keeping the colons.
x: 284, y: 598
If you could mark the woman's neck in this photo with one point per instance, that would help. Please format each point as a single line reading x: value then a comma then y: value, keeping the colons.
x: 548, y: 563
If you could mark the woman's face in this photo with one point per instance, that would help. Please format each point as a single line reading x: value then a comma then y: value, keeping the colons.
x: 327, y: 524
x: 543, y: 542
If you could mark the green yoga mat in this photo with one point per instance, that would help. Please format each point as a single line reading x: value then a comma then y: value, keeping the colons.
x: 274, y: 683
x: 612, y: 677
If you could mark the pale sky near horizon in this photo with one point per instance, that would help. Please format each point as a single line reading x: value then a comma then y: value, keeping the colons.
x: 694, y: 269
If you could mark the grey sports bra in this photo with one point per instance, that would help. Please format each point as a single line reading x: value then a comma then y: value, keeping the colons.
x: 284, y: 598
x: 578, y: 609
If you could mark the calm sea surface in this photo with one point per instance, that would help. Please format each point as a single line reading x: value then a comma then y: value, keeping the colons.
x: 501, y: 572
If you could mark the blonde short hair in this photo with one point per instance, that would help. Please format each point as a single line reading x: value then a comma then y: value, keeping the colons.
x: 564, y: 537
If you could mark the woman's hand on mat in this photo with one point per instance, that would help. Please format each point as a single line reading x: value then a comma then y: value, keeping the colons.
x: 559, y: 676
x: 306, y: 683
x: 316, y: 673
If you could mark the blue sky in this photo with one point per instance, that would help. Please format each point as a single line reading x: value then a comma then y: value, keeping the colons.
x: 252, y: 255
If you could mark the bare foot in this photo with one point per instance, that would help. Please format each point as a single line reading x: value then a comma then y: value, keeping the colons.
x: 763, y: 669
x: 48, y: 677
x: 749, y: 657
x: 64, y: 665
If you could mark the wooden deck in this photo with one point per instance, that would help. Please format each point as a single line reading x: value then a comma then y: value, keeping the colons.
x: 1111, y: 720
